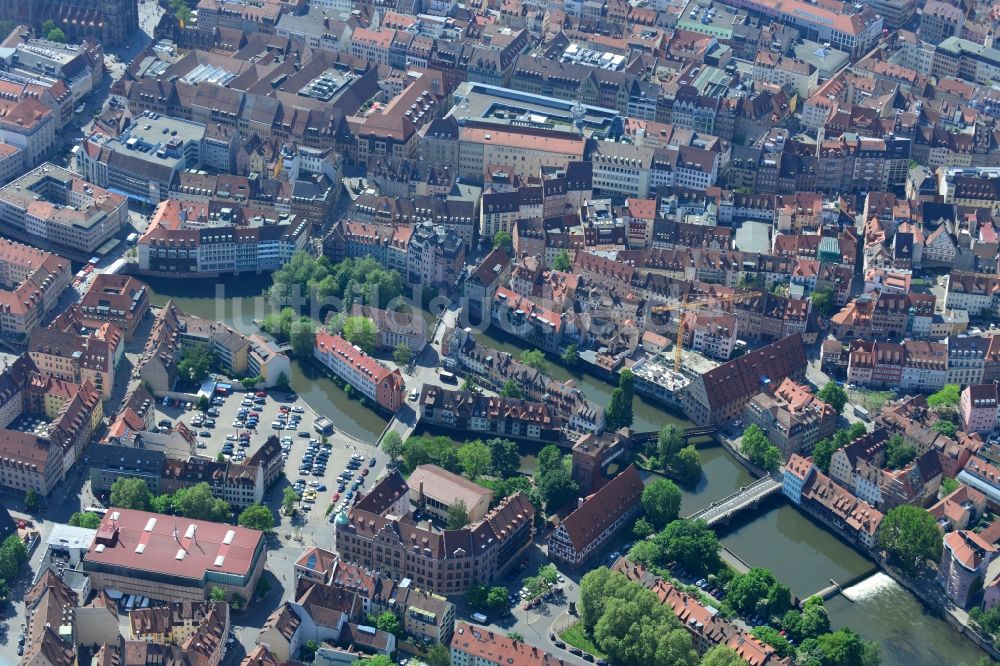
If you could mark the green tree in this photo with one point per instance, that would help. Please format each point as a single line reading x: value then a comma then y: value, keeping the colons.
x: 571, y: 356
x: 619, y: 411
x: 161, y: 504
x: 458, y: 516
x: 534, y: 358
x: 561, y: 262
x: 772, y: 637
x: 303, y: 338
x: 722, y: 655
x: 56, y: 35
x: 475, y: 459
x: 128, y: 493
x: 911, y: 536
x: 635, y: 629
x: 668, y: 444
x: 759, y: 450
x: 948, y: 486
x: 31, y: 500
x: 217, y: 594
x: 196, y: 362
x: 758, y: 592
x: 48, y: 26
x: 555, y: 483
x: 661, y: 501
x: 468, y: 384
x: 686, y: 466
x: 642, y: 528
x: 288, y: 501
x: 378, y: 660
x: 198, y: 502
x: 898, y: 453
x: 511, y: 390
x: 387, y: 622
x: 823, y: 301
x: 946, y: 428
x: 815, y: 621
x: 496, y: 598
x: 257, y: 517
x: 595, y: 588
x: 515, y: 636
x: 823, y: 452
x: 307, y: 652
x: 438, y: 655
x: 89, y: 520
x: 219, y: 457
x: 476, y: 595
x: 203, y: 403
x: 839, y: 648
x: 503, y: 240
x: 948, y: 396
x: 360, y: 331
x: 505, y: 459
x: 834, y: 395
x: 402, y: 355
x: 392, y: 444
x: 692, y: 544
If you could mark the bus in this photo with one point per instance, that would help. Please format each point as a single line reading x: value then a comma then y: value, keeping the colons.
x: 96, y: 509
x: 448, y: 377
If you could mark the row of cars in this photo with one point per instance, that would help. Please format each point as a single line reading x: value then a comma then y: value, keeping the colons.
x: 572, y: 649
x: 345, y: 494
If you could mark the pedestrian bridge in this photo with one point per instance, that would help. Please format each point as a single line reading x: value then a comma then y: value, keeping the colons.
x: 689, y: 433
x: 746, y: 497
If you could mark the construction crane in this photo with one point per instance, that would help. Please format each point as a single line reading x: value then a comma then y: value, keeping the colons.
x: 693, y: 305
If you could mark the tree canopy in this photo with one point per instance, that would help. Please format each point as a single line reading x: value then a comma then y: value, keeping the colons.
x: 722, y: 655
x: 561, y: 262
x: 257, y: 517
x: 758, y: 592
x: 402, y: 355
x: 129, y: 493
x: 898, y: 453
x: 834, y: 395
x: 306, y: 277
x: 661, y: 500
x: 629, y: 623
x: 948, y: 396
x: 392, y: 444
x: 534, y: 358
x: 360, y: 331
x: 759, y: 450
x: 198, y: 502
x: 475, y: 459
x: 911, y: 536
x: 691, y: 544
x: 618, y: 413
x: 503, y: 240
x: 85, y: 519
x: 555, y: 482
x: 196, y: 362
x: 458, y: 516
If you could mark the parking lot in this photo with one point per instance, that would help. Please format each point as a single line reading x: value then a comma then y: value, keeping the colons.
x: 237, y: 425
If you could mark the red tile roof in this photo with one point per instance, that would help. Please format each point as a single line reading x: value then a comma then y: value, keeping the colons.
x: 124, y: 541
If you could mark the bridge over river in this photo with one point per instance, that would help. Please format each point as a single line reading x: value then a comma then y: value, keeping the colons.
x: 746, y: 497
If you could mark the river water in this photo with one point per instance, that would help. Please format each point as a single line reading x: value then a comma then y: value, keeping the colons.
x: 802, y: 553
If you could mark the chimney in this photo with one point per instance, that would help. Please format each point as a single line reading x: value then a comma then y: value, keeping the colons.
x: 579, y: 502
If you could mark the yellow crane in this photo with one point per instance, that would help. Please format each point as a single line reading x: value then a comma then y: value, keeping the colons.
x: 693, y: 305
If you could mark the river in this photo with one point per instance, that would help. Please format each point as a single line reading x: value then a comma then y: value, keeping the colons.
x: 802, y: 553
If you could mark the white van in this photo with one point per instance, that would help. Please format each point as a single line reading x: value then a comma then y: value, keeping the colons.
x: 479, y: 617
